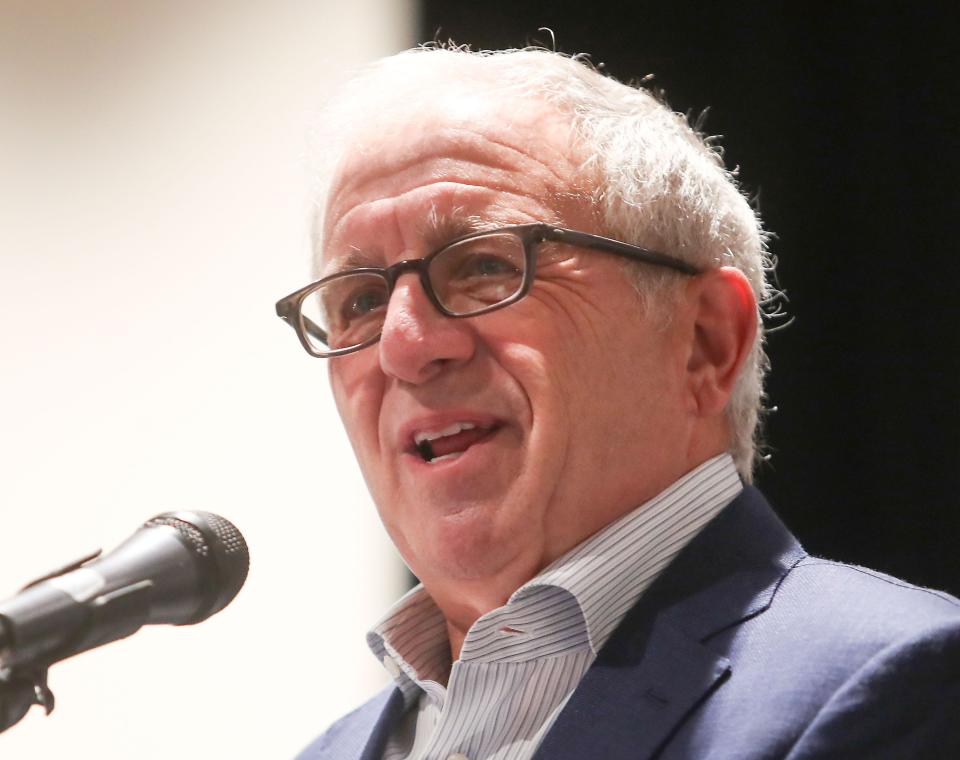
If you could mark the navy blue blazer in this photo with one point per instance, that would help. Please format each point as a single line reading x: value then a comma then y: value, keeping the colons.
x: 746, y: 647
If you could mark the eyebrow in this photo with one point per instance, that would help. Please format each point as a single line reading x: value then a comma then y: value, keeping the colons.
x: 353, y: 258
x: 436, y: 229
x: 439, y: 228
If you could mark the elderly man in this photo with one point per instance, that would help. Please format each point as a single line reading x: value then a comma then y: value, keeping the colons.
x: 537, y: 292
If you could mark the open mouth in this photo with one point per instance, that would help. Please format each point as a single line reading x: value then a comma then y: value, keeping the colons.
x: 450, y: 442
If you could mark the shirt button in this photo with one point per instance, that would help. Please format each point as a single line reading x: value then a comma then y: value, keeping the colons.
x: 458, y: 756
x: 392, y: 668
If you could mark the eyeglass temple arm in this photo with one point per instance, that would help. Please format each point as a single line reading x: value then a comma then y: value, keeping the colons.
x: 309, y: 326
x: 315, y: 330
x: 625, y: 249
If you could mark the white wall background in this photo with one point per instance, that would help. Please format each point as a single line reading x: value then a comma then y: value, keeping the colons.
x: 153, y: 206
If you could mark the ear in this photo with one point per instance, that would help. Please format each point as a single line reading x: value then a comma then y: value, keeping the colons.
x: 724, y: 321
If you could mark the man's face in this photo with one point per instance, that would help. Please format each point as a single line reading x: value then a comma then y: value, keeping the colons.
x: 558, y: 413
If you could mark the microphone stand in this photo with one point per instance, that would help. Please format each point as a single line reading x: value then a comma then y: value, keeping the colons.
x: 109, y: 617
x: 20, y: 692
x: 22, y: 689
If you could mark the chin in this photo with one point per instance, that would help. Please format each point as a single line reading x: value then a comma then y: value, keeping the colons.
x: 465, y: 544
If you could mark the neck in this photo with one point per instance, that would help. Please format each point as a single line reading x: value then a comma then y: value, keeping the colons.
x: 462, y: 603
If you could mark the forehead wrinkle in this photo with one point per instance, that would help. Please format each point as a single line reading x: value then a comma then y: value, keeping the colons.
x: 551, y: 167
x: 491, y: 204
x: 411, y: 179
x: 460, y: 145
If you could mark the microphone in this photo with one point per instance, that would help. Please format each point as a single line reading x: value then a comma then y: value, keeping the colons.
x: 179, y: 568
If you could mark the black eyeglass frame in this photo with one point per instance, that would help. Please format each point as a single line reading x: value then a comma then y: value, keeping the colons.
x: 530, y: 235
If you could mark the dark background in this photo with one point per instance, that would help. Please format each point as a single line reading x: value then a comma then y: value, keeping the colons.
x: 844, y: 123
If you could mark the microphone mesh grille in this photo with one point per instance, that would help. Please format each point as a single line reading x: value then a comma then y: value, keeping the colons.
x: 226, y: 558
x: 185, y: 529
x: 227, y: 533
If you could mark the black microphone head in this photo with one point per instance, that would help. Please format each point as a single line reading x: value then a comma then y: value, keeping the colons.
x: 221, y: 551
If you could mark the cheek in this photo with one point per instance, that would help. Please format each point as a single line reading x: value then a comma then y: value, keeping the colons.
x: 638, y: 394
x: 358, y: 393
x: 547, y: 385
x: 546, y: 363
x: 607, y: 385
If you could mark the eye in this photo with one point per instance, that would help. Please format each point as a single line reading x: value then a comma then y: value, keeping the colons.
x: 491, y: 265
x: 478, y: 272
x: 481, y: 264
x: 362, y: 302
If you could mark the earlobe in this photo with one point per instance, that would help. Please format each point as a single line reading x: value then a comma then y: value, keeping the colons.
x: 724, y: 329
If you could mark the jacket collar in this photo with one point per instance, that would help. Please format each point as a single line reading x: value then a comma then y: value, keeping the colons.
x: 658, y: 666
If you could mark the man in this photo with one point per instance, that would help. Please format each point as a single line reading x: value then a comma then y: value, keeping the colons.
x: 537, y: 293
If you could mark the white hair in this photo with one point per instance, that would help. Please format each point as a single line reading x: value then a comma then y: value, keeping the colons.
x: 654, y: 180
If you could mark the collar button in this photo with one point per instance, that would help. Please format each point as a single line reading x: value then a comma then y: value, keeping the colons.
x: 391, y: 666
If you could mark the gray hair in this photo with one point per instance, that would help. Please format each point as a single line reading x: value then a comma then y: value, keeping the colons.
x: 654, y: 180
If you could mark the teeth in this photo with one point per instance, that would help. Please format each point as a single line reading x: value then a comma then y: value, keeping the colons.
x: 432, y: 435
x: 445, y: 457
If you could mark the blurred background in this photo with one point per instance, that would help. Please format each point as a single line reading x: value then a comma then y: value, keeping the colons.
x: 154, y: 206
x: 154, y: 199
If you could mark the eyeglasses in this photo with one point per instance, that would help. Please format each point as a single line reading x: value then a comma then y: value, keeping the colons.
x: 471, y: 275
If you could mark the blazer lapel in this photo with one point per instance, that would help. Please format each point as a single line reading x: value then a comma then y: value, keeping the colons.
x: 658, y: 665
x: 386, y: 722
x: 631, y: 708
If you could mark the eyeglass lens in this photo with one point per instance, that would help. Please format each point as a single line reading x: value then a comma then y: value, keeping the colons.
x: 466, y: 277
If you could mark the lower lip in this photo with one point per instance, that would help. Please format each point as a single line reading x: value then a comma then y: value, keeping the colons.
x: 465, y: 458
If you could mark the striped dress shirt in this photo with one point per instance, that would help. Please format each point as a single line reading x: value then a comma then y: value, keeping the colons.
x: 521, y: 662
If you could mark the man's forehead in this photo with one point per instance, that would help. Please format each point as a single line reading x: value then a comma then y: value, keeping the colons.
x: 477, y: 155
x: 456, y: 123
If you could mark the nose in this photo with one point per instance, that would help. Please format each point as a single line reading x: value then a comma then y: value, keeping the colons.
x: 417, y: 342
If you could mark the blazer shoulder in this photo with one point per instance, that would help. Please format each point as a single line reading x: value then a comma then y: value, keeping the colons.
x: 900, y: 702
x: 845, y: 615
x: 849, y: 592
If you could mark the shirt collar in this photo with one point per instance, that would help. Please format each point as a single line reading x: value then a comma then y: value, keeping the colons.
x: 608, y: 572
x: 576, y: 601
